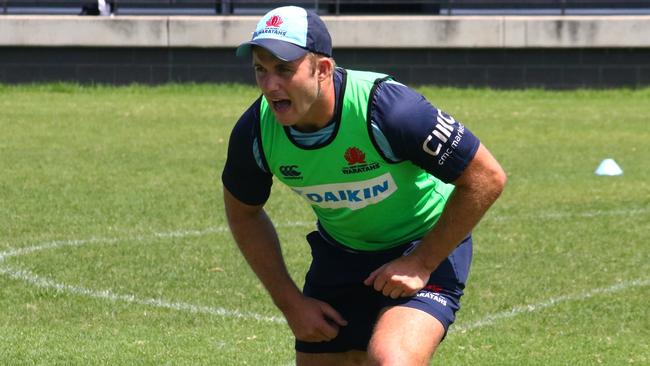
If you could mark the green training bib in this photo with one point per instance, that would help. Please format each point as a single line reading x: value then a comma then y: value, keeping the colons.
x: 360, y: 199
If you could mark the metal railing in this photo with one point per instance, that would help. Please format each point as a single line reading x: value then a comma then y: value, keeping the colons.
x: 336, y: 7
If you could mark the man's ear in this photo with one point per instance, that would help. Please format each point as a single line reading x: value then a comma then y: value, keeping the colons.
x: 325, y: 67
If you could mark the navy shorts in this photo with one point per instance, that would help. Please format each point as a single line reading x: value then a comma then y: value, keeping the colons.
x: 336, y: 276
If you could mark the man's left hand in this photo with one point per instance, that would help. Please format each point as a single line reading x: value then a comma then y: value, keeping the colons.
x: 401, y: 277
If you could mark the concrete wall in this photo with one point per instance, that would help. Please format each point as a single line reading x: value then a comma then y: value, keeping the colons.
x: 502, y: 51
x: 347, y: 31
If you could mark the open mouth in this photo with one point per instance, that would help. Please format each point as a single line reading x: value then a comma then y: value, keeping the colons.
x: 281, y: 105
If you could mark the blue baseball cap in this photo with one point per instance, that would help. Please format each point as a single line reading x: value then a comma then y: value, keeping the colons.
x: 289, y: 32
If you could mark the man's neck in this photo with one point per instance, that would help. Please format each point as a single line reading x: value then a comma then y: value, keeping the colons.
x: 322, y: 111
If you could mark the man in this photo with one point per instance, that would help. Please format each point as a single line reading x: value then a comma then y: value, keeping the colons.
x: 397, y: 186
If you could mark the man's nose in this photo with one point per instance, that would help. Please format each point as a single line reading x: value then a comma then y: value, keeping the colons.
x: 269, y: 83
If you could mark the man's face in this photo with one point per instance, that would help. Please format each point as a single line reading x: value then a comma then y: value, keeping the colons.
x: 291, y: 88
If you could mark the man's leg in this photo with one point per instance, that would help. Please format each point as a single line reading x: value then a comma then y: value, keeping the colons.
x: 350, y: 358
x: 404, y: 336
x: 336, y: 277
x: 408, y: 330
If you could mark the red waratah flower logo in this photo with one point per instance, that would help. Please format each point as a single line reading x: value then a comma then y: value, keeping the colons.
x: 275, y: 21
x: 433, y: 288
x: 354, y: 156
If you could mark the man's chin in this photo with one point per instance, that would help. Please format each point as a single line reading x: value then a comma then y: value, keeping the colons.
x: 284, y: 120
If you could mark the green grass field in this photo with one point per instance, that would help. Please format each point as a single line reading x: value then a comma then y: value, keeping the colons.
x: 114, y: 247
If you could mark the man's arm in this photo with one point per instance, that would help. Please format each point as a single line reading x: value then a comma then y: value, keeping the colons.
x: 477, y: 189
x: 310, y: 319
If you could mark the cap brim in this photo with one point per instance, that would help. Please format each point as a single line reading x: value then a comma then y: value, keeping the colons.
x: 285, y: 51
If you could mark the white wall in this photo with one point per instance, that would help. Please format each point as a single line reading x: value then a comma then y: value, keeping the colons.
x: 348, y: 31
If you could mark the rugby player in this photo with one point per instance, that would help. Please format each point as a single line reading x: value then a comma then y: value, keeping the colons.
x: 397, y: 185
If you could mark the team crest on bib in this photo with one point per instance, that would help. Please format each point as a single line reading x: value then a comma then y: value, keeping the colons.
x: 357, y: 162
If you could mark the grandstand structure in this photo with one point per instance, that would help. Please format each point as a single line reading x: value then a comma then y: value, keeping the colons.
x: 495, y: 43
x: 338, y: 7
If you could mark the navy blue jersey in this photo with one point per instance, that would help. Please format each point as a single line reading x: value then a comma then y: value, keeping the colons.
x: 405, y: 126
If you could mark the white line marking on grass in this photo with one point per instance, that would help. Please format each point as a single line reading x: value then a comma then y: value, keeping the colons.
x: 42, y: 282
x: 38, y: 281
x: 172, y: 234
x: 563, y: 215
x: 108, y: 295
x: 493, y: 318
x: 53, y: 245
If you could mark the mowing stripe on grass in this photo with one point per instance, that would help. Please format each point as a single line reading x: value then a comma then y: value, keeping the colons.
x: 180, y: 306
x: 493, y: 318
x: 219, y: 229
x: 108, y: 295
x: 172, y: 234
x: 550, y: 215
x: 38, y: 281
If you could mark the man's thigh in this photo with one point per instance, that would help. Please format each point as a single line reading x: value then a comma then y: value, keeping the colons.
x: 336, y: 277
x: 405, y: 336
x: 358, y: 304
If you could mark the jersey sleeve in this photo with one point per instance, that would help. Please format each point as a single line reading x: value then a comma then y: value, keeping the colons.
x: 419, y: 132
x: 242, y: 175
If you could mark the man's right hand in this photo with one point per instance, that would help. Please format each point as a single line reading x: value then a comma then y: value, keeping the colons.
x: 312, y: 320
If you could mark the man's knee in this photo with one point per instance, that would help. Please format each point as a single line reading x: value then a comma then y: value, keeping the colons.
x: 379, y: 355
x: 403, y: 337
